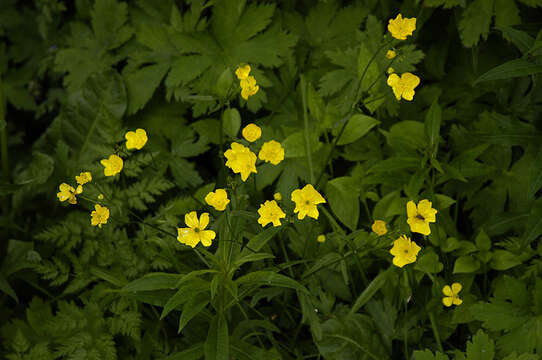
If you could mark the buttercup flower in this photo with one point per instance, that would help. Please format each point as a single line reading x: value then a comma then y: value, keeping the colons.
x: 379, y: 227
x: 241, y: 160
x: 242, y: 72
x: 419, y: 217
x: 99, y: 215
x: 136, y: 139
x: 404, y: 251
x: 403, y: 87
x: 452, y: 295
x: 306, y: 200
x: 252, y: 132
x: 277, y: 196
x: 321, y: 238
x: 83, y: 178
x: 67, y: 192
x: 195, y: 232
x: 271, y: 151
x: 390, y: 70
x: 248, y: 87
x: 401, y: 28
x: 218, y: 199
x: 113, y: 165
x: 270, y: 212
x: 390, y: 54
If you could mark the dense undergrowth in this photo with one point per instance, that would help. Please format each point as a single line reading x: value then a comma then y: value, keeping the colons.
x: 385, y: 205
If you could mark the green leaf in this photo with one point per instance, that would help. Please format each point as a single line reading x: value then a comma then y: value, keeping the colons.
x: 258, y: 241
x: 231, y: 122
x: 511, y: 69
x: 428, y: 355
x: 217, y: 345
x: 343, y: 196
x: 395, y: 163
x: 358, y: 125
x: 506, y: 13
x: 224, y: 83
x: 432, y: 125
x: 270, y: 278
x: 141, y: 85
x: 294, y: 144
x: 521, y: 39
x: 6, y: 288
x: 193, y: 353
x: 483, y: 242
x: 466, y: 264
x: 370, y: 290
x: 535, y: 175
x: 429, y: 263
x: 192, y: 308
x: 475, y: 22
x: 153, y: 281
x: 188, y: 290
x: 481, y: 347
x: 534, y: 223
x: 503, y: 260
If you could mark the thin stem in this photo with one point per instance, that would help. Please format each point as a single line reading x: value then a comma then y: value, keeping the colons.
x: 3, y: 134
x: 306, y: 125
x: 435, y: 331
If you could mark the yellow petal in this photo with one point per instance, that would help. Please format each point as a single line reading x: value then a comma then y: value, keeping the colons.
x: 191, y: 220
x: 457, y: 301
x: 207, y: 236
x: 411, y: 209
x: 393, y: 79
x: 447, y: 301
x: 456, y: 288
x: 203, y: 220
x: 399, y: 261
x: 447, y: 290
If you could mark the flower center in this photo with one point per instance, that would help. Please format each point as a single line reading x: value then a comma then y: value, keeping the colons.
x: 197, y: 230
x: 420, y: 217
x: 307, y: 202
x: 405, y: 251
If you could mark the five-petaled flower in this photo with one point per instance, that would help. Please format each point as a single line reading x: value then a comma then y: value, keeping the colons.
x: 306, y: 200
x: 217, y: 199
x: 270, y: 212
x: 403, y: 87
x: 113, y: 165
x: 379, y: 227
x: 404, y: 251
x: 241, y: 160
x: 248, y: 87
x: 271, y: 151
x: 83, y: 178
x: 67, y: 192
x: 195, y: 232
x: 242, y: 71
x: 99, y: 215
x: 419, y: 217
x: 251, y: 132
x: 401, y: 28
x: 451, y: 294
x: 136, y: 139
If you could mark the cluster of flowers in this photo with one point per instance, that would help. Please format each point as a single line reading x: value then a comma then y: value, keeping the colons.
x: 402, y: 86
x: 247, y: 82
x: 405, y: 251
x: 112, y: 166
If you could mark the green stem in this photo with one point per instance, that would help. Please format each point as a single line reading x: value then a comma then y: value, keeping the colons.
x: 3, y: 134
x: 306, y: 124
x: 435, y: 331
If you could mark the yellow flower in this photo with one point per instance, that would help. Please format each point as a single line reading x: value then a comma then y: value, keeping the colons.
x: 390, y: 70
x: 217, y: 199
x: 379, y: 227
x: 321, y: 238
x: 306, y: 200
x: 113, y: 165
x: 401, y: 28
x: 67, y: 192
x: 277, y: 196
x: 84, y: 178
x: 403, y: 86
x: 99, y: 215
x: 452, y: 295
x: 390, y: 54
x: 241, y: 160
x: 420, y: 217
x: 252, y: 132
x: 249, y: 87
x: 270, y: 212
x: 136, y: 139
x: 404, y: 251
x: 242, y: 72
x: 100, y: 197
x: 195, y: 232
x: 271, y: 151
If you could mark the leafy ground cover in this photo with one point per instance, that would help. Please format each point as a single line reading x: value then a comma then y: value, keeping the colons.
x: 234, y: 179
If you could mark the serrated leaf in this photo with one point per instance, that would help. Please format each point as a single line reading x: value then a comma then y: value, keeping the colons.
x: 481, y: 347
x: 466, y: 264
x: 357, y: 126
x: 343, y: 196
x: 231, y: 121
x: 141, y: 85
x: 475, y: 22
